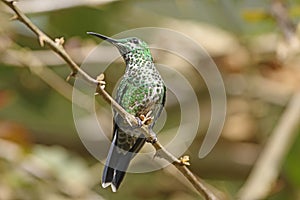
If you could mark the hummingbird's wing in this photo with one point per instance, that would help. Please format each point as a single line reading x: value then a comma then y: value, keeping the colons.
x: 160, y: 106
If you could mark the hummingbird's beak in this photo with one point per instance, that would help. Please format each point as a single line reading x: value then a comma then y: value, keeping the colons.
x: 117, y: 43
x: 108, y: 39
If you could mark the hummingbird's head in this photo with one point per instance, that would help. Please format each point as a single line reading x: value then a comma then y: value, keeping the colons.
x: 127, y: 46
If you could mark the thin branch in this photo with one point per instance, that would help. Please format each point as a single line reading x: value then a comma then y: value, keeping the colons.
x: 291, y: 44
x: 57, y: 47
x: 43, y: 38
x: 266, y: 170
x: 280, y: 13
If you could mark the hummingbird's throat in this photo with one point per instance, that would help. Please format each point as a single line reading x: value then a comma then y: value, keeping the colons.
x: 137, y: 56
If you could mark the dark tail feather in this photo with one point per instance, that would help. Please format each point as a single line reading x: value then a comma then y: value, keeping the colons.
x: 113, y: 181
x: 117, y: 163
x: 114, y: 172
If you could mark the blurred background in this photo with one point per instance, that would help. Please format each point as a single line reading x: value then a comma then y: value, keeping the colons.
x: 254, y: 44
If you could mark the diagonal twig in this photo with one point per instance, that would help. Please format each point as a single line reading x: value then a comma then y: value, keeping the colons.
x: 280, y: 14
x: 57, y: 47
x: 290, y: 47
x: 266, y: 170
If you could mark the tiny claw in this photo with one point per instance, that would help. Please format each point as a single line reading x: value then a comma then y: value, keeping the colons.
x: 146, y: 119
x: 184, y: 160
x: 149, y: 113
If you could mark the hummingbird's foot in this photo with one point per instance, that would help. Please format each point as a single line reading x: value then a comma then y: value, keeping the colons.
x: 185, y: 160
x: 146, y: 119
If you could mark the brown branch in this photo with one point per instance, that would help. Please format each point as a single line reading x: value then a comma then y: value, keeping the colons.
x: 280, y: 13
x: 291, y: 44
x: 57, y: 47
x: 266, y: 170
x: 43, y: 38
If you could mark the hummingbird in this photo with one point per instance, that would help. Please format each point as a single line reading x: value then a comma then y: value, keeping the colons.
x: 142, y: 93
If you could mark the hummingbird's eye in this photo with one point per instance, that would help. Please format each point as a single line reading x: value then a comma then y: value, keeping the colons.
x: 135, y: 41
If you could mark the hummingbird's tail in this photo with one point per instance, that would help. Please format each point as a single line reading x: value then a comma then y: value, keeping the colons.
x: 117, y: 162
x: 112, y: 177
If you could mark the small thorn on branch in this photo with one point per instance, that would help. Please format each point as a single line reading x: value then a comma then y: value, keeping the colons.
x: 185, y: 160
x: 59, y: 41
x: 42, y: 40
x: 14, y: 17
x: 72, y: 74
x: 101, y: 81
x: 11, y: 2
x: 100, y: 77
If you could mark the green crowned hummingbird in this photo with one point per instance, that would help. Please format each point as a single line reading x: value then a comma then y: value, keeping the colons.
x: 142, y: 93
